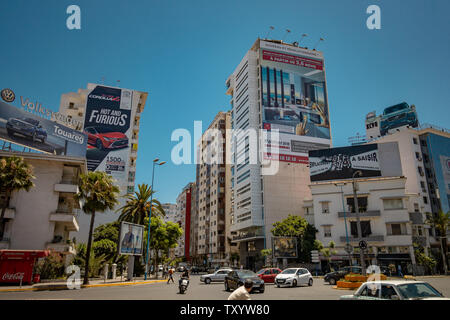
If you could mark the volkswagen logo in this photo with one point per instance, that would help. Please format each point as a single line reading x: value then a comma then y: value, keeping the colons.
x: 8, y: 95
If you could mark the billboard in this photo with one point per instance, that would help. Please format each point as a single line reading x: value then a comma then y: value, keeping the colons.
x: 23, y: 128
x: 397, y: 116
x: 107, y: 125
x: 130, y: 239
x: 284, y: 247
x: 294, y: 93
x: 445, y: 163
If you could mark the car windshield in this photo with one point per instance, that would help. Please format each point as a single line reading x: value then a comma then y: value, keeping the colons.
x: 261, y: 271
x: 395, y: 108
x: 246, y: 274
x: 418, y: 291
x: 289, y: 271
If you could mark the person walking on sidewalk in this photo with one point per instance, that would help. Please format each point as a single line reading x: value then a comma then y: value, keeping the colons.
x: 242, y: 293
x: 170, y: 276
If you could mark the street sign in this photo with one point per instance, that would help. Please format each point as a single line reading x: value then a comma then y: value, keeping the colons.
x: 363, y: 245
x: 315, y: 256
x: 348, y: 248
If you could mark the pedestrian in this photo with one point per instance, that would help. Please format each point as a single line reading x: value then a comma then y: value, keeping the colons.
x: 399, y: 268
x: 165, y: 272
x: 170, y: 276
x: 242, y: 293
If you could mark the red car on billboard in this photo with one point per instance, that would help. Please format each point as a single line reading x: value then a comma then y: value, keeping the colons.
x: 102, y: 139
x: 268, y: 274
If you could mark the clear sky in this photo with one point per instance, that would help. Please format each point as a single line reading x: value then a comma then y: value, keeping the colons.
x: 181, y: 53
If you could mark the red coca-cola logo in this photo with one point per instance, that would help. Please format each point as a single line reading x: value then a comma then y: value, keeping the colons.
x: 13, y: 276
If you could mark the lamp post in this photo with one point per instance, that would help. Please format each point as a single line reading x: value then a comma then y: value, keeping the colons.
x: 150, y: 215
x: 345, y: 221
x: 358, y: 221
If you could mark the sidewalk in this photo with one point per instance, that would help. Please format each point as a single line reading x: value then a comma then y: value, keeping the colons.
x: 62, y: 285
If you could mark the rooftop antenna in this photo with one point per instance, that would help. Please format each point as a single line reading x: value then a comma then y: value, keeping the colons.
x: 270, y: 29
x: 303, y: 36
x: 321, y: 39
x: 287, y: 32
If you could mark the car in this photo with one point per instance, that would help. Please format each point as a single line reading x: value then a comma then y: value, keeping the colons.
x: 236, y: 278
x: 395, y: 290
x: 335, y: 276
x: 268, y: 274
x: 101, y: 138
x: 28, y: 127
x: 401, y: 114
x: 217, y: 276
x: 293, y: 277
x: 198, y: 269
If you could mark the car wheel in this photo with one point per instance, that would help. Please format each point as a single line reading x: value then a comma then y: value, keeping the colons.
x: 294, y: 283
x: 99, y: 144
x: 310, y: 283
x: 332, y: 281
x: 10, y: 132
x: 227, y: 288
x: 278, y: 285
x: 207, y: 280
x: 261, y: 290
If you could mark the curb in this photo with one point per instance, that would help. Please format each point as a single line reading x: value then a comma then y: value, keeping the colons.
x: 64, y: 287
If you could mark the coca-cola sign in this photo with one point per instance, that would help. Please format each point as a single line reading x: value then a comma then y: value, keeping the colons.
x: 13, y: 276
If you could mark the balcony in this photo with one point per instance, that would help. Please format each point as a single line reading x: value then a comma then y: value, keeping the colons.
x: 369, y: 213
x: 61, y: 247
x: 67, y: 218
x: 68, y: 185
x: 251, y: 235
x: 371, y: 238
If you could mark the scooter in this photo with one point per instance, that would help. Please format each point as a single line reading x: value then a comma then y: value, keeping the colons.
x: 184, y: 283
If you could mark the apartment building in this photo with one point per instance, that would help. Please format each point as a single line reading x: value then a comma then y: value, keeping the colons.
x: 183, y: 218
x: 111, y: 118
x: 44, y: 217
x: 276, y: 86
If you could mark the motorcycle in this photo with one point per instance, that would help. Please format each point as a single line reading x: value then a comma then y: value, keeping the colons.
x: 184, y: 282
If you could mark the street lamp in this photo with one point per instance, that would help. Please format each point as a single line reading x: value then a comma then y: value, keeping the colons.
x: 345, y: 221
x: 358, y: 221
x: 150, y: 215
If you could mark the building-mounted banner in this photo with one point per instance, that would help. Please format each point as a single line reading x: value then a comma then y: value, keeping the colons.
x: 107, y: 124
x: 23, y: 128
x: 341, y: 163
x: 284, y: 247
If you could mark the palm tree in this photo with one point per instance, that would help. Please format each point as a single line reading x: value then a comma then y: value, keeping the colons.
x: 15, y: 175
x: 99, y: 193
x: 138, y: 204
x: 440, y: 222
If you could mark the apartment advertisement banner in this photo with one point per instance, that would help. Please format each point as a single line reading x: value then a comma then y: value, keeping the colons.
x: 107, y: 124
x: 294, y: 93
x: 341, y: 163
x: 26, y: 129
x: 130, y: 239
x: 284, y: 247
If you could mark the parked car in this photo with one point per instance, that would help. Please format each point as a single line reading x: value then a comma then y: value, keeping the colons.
x: 218, y: 276
x: 268, y: 274
x: 395, y: 290
x: 236, y: 278
x: 101, y: 138
x: 293, y: 277
x: 335, y: 276
x: 28, y: 127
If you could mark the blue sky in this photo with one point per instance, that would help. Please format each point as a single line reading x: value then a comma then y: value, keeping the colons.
x: 181, y: 53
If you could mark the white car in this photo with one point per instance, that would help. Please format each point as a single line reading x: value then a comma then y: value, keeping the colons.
x: 293, y: 277
x: 395, y: 290
x: 218, y: 276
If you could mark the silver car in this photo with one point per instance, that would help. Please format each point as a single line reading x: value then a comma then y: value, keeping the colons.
x: 293, y: 277
x: 218, y: 276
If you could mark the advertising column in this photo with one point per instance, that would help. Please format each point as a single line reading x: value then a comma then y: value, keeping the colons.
x: 107, y: 124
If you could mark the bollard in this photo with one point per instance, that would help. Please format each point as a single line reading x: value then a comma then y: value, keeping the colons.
x: 105, y: 272
x: 113, y: 270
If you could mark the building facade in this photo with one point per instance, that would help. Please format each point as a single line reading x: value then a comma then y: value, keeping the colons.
x: 46, y: 217
x: 183, y: 218
x: 102, y: 110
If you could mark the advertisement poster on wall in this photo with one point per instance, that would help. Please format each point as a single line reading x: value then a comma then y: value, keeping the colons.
x: 29, y: 130
x: 294, y: 93
x: 130, y: 239
x: 284, y: 247
x: 107, y: 125
x: 445, y: 163
x: 341, y: 163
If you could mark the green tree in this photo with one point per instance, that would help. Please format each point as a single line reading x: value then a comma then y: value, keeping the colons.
x: 137, y: 207
x: 15, y: 175
x: 266, y: 253
x: 298, y: 227
x: 99, y: 193
x: 440, y: 222
x: 95, y: 262
x: 422, y: 259
x: 328, y: 252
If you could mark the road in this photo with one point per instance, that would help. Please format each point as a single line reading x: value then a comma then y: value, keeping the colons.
x: 197, y: 291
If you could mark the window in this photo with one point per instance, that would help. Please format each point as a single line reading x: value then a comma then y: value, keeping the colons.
x: 387, y: 291
x: 415, y: 140
x: 416, y: 207
x: 420, y: 170
x: 71, y: 105
x: 251, y: 246
x: 392, y: 204
x: 422, y: 184
x: 362, y: 204
x: 396, y: 229
x: 425, y: 200
x: 327, y: 231
x: 365, y: 229
x: 325, y: 207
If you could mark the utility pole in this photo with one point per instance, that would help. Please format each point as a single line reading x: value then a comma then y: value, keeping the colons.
x: 358, y: 222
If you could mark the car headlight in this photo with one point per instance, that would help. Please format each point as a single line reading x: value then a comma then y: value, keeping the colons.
x: 262, y: 281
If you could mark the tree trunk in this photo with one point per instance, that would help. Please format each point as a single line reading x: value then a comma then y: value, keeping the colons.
x: 444, y: 256
x: 88, y: 250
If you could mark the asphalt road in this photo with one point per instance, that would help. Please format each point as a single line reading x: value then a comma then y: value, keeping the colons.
x: 197, y: 291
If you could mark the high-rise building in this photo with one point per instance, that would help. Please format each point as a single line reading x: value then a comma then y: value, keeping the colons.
x: 183, y: 218
x: 170, y: 210
x: 110, y: 117
x: 211, y: 192
x: 276, y: 86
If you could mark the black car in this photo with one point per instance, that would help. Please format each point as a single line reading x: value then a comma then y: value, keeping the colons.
x: 333, y: 277
x: 236, y: 278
